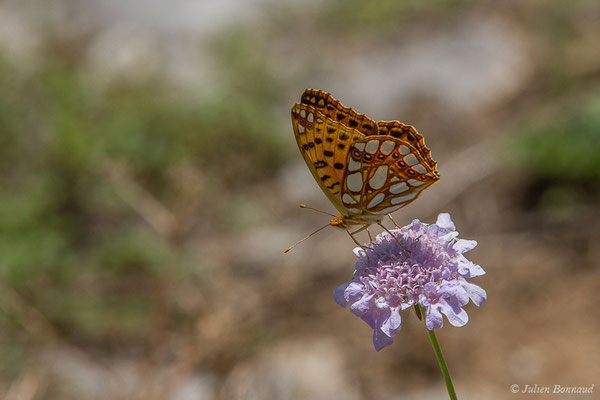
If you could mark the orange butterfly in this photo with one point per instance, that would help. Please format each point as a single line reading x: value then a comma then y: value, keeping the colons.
x: 366, y: 169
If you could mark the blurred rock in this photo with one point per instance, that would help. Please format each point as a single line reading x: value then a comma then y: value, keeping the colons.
x: 195, y: 387
x: 125, y: 52
x: 476, y: 63
x: 91, y: 379
x: 85, y: 377
x: 299, y: 370
x: 173, y: 17
x: 136, y: 53
x: 526, y: 363
x: 19, y: 40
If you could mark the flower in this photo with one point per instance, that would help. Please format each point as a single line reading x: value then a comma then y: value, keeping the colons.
x: 420, y: 264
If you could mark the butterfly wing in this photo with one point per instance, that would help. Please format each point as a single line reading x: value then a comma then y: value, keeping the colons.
x: 324, y: 144
x: 386, y: 173
x: 330, y: 107
x: 407, y: 133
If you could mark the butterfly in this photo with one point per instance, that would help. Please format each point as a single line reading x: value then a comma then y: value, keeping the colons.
x: 366, y: 169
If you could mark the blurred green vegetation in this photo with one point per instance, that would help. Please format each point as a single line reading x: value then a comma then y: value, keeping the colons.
x: 380, y: 16
x: 560, y: 159
x: 71, y: 246
x: 565, y: 148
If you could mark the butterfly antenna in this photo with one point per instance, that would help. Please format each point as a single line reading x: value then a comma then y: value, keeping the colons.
x: 314, y: 209
x: 303, y: 239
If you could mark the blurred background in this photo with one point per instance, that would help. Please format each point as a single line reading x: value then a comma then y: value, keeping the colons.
x: 150, y: 181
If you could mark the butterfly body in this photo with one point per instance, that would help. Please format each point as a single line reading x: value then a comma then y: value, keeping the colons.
x: 366, y: 169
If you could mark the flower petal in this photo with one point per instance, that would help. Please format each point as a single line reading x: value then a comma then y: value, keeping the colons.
x: 464, y: 245
x: 467, y: 268
x: 359, y: 252
x: 445, y: 222
x: 476, y: 293
x: 449, y: 236
x: 433, y: 230
x: 447, y: 288
x: 382, y: 304
x: 362, y: 305
x: 354, y: 291
x: 452, y: 310
x: 433, y: 318
x: 381, y: 340
x: 461, y: 296
x: 371, y: 317
x: 339, y: 295
x: 391, y: 325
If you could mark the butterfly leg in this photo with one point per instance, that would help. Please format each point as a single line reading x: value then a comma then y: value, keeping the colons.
x: 394, y: 236
x: 394, y: 222
x: 364, y: 227
x: 356, y: 241
x: 369, y: 233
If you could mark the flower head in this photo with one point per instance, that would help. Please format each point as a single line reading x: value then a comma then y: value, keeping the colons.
x: 421, y: 265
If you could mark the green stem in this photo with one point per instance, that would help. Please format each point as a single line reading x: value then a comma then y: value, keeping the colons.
x: 441, y: 361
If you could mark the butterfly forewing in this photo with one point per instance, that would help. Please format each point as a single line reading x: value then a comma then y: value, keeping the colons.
x: 324, y: 144
x: 330, y: 107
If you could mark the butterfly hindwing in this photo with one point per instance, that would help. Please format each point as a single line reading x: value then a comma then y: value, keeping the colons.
x: 408, y: 134
x: 385, y: 173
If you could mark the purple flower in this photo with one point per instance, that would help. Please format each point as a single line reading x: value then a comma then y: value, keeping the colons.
x: 423, y: 265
